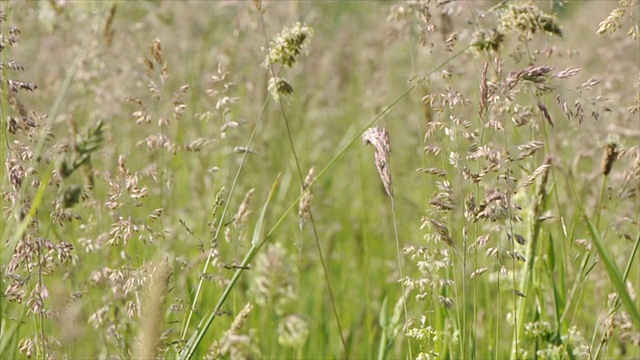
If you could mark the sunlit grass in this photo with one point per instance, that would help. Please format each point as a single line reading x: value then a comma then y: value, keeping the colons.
x: 174, y: 231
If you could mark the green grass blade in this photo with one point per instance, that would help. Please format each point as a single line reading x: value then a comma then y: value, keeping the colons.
x: 255, y: 240
x: 614, y: 273
x: 192, y: 345
x: 383, y: 322
x: 633, y: 256
x: 22, y: 227
x: 10, y: 337
x: 558, y: 286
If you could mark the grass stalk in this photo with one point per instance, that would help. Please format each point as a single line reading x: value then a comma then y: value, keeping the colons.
x: 53, y: 113
x: 402, y: 279
x: 256, y: 244
x: 302, y: 188
x: 221, y: 222
x: 614, y: 273
x: 616, y: 303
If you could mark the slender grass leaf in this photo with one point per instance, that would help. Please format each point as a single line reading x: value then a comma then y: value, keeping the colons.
x: 192, y: 345
x: 634, y: 252
x: 10, y: 337
x: 614, y: 273
x: 24, y: 225
x: 383, y: 322
x: 255, y: 240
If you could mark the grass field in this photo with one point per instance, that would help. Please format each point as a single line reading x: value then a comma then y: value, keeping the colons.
x: 320, y: 179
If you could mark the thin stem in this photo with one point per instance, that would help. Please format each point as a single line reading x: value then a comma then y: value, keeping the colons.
x: 463, y: 326
x: 601, y: 199
x: 616, y: 303
x: 38, y: 318
x: 53, y: 113
x: 205, y: 323
x: 328, y: 282
x: 302, y: 187
x: 398, y: 251
x: 313, y: 227
x: 222, y: 216
x: 519, y: 304
x: 190, y: 347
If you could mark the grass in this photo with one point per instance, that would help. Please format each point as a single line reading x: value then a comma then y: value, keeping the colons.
x: 158, y: 201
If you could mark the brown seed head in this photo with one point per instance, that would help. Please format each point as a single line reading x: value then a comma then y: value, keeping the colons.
x: 610, y: 155
x: 379, y: 138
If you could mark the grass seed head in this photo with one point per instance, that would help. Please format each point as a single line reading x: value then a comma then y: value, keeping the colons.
x: 609, y: 156
x: 293, y: 331
x: 287, y: 46
x: 304, y: 208
x: 379, y: 138
x: 280, y: 88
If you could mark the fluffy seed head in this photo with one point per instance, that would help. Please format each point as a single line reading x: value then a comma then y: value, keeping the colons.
x: 288, y: 45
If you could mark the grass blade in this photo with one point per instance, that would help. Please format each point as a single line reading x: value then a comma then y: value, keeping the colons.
x: 193, y: 343
x: 10, y: 336
x: 255, y: 240
x: 614, y: 273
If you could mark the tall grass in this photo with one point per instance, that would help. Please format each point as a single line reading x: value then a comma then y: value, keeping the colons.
x: 188, y: 179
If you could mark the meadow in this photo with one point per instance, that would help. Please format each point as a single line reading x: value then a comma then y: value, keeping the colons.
x: 320, y: 179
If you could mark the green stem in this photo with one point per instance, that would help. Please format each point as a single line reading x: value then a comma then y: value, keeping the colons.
x: 222, y: 216
x: 302, y: 187
x: 190, y: 348
x: 398, y: 252
x: 192, y: 345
